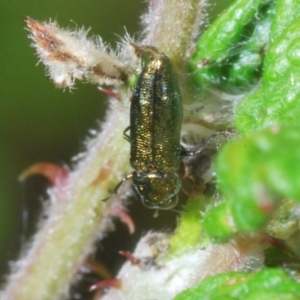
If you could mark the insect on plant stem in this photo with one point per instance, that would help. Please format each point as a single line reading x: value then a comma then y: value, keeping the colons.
x: 155, y: 126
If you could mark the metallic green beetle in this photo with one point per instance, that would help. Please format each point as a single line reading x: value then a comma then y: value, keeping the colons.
x: 155, y: 126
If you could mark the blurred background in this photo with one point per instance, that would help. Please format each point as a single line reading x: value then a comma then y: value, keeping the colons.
x: 39, y: 122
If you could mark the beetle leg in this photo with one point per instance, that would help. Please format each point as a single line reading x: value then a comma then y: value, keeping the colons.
x: 179, y: 210
x: 185, y: 152
x: 155, y: 215
x: 125, y: 135
x: 115, y: 192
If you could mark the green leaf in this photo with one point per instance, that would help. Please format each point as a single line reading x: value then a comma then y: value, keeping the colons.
x: 255, y: 173
x: 265, y: 284
x: 231, y: 51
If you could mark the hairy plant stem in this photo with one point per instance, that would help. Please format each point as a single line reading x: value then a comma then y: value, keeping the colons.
x: 76, y: 218
x: 172, y: 27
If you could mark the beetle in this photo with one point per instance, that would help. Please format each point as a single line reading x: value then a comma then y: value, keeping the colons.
x: 155, y: 125
x: 156, y: 114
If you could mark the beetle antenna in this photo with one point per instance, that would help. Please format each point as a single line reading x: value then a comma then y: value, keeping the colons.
x: 115, y: 192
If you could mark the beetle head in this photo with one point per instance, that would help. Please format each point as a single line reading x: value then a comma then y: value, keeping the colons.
x: 157, y: 191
